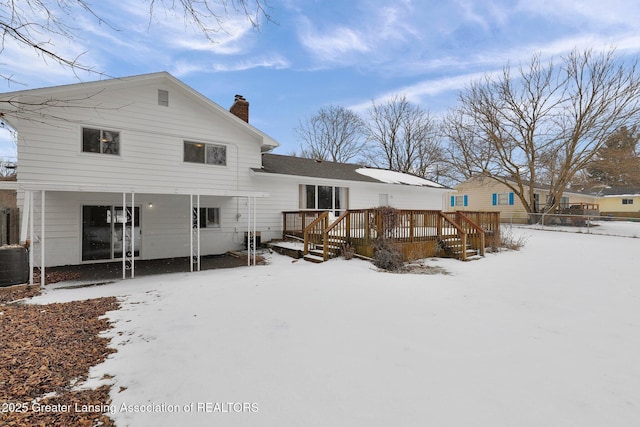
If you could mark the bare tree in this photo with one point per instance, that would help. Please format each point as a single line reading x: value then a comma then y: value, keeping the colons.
x: 31, y: 23
x: 402, y: 137
x: 334, y: 133
x: 545, y: 124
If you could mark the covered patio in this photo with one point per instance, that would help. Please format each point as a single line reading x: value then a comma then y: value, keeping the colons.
x: 35, y: 229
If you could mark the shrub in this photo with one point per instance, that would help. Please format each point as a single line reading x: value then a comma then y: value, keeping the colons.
x: 347, y: 251
x: 386, y: 256
x: 510, y: 240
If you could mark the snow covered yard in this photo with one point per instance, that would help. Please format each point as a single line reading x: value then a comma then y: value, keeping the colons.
x: 549, y: 335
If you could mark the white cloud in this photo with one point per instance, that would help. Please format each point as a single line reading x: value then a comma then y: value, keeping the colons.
x: 417, y: 92
x: 597, y: 13
x: 182, y: 68
x: 275, y: 62
x: 332, y: 45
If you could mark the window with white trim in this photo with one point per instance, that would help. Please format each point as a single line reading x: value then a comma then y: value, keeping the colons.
x: 627, y: 201
x: 324, y: 197
x: 209, y: 218
x: 459, y: 200
x: 100, y: 141
x: 502, y: 199
x: 210, y: 154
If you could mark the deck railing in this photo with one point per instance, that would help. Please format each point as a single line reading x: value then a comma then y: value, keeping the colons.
x: 489, y: 222
x: 314, y: 232
x: 294, y: 222
x: 415, y: 229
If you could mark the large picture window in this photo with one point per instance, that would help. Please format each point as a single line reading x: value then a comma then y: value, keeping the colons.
x: 100, y: 141
x: 210, y: 154
x: 324, y: 197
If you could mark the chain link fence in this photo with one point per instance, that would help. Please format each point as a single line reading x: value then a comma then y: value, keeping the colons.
x: 592, y: 224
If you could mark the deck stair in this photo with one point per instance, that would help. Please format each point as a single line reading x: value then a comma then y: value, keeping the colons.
x: 334, y: 248
x: 454, y: 247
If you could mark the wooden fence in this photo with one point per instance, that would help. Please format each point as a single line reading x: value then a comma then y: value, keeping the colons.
x: 9, y: 226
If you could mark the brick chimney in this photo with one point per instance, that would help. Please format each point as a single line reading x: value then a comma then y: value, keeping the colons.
x: 240, y: 108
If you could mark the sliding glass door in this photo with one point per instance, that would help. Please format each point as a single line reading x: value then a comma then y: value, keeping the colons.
x: 102, y: 232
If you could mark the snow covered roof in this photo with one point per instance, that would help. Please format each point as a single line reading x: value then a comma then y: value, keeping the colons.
x: 393, y: 177
x: 298, y: 166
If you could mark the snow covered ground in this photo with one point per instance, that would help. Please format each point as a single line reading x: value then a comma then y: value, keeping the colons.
x: 545, y: 336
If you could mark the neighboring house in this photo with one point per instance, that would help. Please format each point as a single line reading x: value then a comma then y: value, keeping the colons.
x: 619, y: 201
x: 148, y: 161
x: 8, y: 197
x: 486, y: 194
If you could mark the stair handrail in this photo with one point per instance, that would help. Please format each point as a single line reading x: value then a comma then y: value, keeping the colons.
x: 476, y: 227
x: 329, y: 228
x: 462, y: 235
x: 322, y: 217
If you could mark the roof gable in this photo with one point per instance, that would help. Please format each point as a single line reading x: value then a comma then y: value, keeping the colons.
x: 162, y: 77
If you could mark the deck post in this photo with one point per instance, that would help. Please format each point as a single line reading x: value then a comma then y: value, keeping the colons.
x: 411, y: 224
x: 284, y: 224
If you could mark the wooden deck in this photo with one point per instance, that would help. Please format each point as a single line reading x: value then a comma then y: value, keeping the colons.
x: 415, y: 233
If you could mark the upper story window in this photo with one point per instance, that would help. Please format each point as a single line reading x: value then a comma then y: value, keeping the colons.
x: 211, y: 154
x: 627, y: 201
x: 100, y: 141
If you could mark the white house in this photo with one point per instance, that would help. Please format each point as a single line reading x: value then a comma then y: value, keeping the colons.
x: 147, y: 156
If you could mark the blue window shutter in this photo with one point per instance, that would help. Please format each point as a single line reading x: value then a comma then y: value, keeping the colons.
x: 466, y: 200
x: 511, y: 199
x: 494, y: 197
x: 453, y: 200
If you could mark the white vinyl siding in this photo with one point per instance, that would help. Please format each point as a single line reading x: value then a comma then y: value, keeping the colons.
x: 153, y: 151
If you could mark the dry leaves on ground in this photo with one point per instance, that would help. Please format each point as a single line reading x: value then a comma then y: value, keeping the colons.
x: 44, y: 351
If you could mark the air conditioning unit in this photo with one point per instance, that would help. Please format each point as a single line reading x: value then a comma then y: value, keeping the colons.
x: 246, y: 237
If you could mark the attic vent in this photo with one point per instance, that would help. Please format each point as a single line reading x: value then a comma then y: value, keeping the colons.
x: 163, y: 97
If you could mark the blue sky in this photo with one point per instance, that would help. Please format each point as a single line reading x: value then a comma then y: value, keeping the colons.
x: 318, y: 53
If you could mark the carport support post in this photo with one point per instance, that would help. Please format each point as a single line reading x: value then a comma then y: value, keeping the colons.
x: 194, y: 231
x: 31, y: 242
x: 133, y: 235
x: 42, y: 239
x: 198, y: 232
x: 251, y: 235
x: 128, y: 257
x: 255, y: 199
x: 124, y: 232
